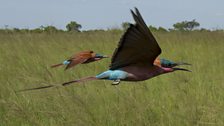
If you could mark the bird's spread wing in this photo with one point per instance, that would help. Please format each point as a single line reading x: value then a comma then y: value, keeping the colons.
x: 78, y: 59
x: 137, y: 45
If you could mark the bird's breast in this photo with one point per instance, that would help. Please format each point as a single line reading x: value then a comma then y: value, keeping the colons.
x: 88, y: 60
x: 142, y: 73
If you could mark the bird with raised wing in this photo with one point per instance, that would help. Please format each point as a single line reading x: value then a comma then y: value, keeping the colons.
x: 135, y: 58
x: 81, y: 58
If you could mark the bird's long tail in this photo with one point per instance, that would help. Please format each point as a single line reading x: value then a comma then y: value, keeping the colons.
x: 66, y: 62
x: 63, y: 84
x: 56, y: 65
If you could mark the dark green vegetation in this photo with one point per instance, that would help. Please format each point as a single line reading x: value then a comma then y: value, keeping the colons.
x: 73, y: 26
x: 186, y: 25
x: 177, y: 99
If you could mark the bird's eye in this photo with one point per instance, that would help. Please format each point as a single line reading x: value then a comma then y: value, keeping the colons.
x: 168, y: 65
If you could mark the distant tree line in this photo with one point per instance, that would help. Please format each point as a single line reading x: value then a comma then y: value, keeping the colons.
x: 70, y: 27
x: 184, y: 26
x: 73, y: 27
x: 179, y: 26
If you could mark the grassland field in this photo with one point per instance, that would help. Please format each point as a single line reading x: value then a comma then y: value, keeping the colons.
x: 175, y: 99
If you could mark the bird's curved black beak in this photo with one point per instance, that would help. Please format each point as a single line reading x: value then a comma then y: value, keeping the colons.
x: 182, y: 63
x: 182, y: 69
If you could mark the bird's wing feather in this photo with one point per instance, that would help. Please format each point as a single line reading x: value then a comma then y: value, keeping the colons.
x: 78, y: 59
x: 137, y: 45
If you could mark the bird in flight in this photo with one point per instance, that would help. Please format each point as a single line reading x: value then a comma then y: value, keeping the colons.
x: 81, y: 58
x: 135, y: 58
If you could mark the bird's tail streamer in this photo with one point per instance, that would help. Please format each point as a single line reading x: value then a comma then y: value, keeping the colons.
x: 63, y: 84
x: 56, y: 65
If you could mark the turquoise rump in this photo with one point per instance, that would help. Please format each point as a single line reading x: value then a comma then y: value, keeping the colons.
x: 112, y: 75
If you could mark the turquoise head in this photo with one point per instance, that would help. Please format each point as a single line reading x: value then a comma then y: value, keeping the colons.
x: 170, y: 64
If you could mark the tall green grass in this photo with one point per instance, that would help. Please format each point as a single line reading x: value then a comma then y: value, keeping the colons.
x: 176, y: 99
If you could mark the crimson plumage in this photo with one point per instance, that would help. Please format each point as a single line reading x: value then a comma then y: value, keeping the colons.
x: 81, y: 58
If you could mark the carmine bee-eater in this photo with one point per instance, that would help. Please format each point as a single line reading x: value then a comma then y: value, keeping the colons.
x: 81, y: 58
x: 135, y: 57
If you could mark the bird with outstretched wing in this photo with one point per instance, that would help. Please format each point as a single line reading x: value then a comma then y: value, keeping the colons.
x: 81, y: 58
x: 134, y: 59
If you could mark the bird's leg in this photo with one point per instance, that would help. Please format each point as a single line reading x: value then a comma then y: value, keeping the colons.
x: 116, y: 82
